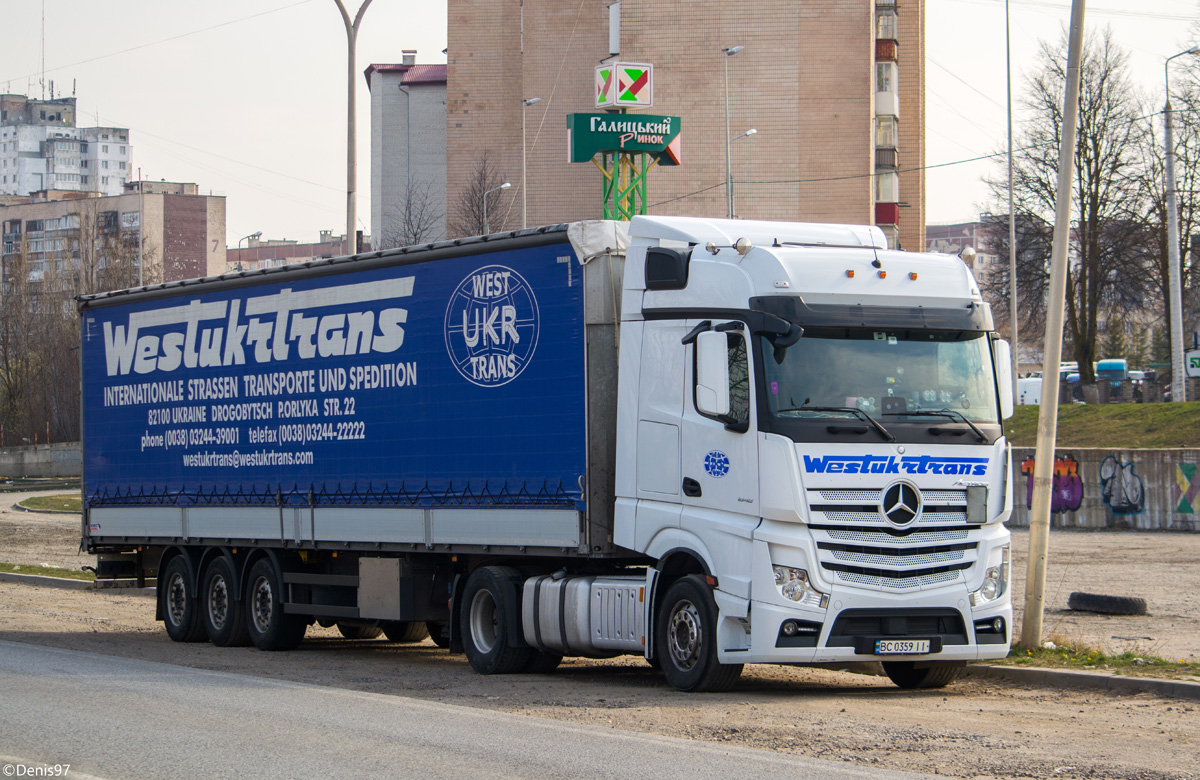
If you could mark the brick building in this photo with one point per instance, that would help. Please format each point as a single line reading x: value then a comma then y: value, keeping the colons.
x: 834, y: 88
x: 182, y: 232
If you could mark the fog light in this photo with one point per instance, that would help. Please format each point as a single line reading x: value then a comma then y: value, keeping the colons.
x: 997, y: 625
x: 789, y: 628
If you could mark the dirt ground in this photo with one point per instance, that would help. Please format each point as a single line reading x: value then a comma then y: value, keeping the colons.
x: 977, y: 728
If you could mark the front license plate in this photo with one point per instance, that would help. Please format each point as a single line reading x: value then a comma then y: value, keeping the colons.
x: 901, y: 646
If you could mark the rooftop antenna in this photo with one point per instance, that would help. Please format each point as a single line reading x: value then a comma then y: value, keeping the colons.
x: 42, y: 80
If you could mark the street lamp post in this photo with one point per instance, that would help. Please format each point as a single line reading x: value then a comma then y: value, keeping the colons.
x: 351, y: 149
x: 732, y: 200
x: 1178, y: 387
x: 729, y: 52
x: 503, y: 186
x: 526, y: 103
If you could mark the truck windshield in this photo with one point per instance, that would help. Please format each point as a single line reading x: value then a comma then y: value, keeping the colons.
x: 896, y: 376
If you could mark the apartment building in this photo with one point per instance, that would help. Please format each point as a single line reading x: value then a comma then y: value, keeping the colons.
x: 42, y: 149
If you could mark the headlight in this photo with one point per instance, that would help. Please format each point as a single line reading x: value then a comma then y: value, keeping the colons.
x: 793, y: 584
x: 995, y: 581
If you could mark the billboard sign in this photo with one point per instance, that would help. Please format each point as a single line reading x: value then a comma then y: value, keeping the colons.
x: 590, y: 134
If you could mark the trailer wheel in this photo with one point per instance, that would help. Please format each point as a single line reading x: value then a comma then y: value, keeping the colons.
x: 180, y: 607
x: 938, y: 675
x: 405, y: 631
x: 223, y: 615
x: 270, y: 627
x: 687, y: 639
x: 484, y: 621
x: 438, y: 633
x: 353, y: 631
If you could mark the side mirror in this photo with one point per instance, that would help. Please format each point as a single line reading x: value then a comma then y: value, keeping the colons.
x: 712, y: 374
x: 1004, y: 377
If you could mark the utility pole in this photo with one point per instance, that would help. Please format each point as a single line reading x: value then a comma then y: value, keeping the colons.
x: 1178, y: 384
x: 1043, y: 468
x: 1012, y: 219
x: 351, y: 149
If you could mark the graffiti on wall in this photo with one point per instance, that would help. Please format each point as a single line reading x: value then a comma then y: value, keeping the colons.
x: 1186, y: 499
x: 1068, y: 487
x: 1121, y: 488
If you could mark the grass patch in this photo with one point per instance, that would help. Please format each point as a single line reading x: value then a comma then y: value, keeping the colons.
x: 64, y: 503
x: 1115, y: 426
x: 1078, y: 657
x: 47, y: 571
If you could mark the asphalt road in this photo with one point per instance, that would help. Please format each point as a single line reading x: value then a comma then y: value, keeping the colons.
x: 114, y: 717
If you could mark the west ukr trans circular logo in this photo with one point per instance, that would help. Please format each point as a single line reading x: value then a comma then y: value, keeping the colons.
x: 492, y: 326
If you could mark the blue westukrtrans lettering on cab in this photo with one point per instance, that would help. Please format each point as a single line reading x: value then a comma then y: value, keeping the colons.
x: 892, y: 464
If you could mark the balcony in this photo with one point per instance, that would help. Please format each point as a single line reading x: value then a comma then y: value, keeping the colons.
x: 887, y: 213
x: 885, y: 50
x: 887, y: 159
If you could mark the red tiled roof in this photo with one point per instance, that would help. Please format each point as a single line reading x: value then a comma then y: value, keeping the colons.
x: 410, y: 74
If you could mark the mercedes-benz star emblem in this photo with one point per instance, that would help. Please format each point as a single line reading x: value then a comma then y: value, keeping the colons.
x: 901, y: 503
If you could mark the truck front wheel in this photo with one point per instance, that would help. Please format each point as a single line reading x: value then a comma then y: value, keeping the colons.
x: 937, y: 675
x: 687, y: 639
x: 180, y: 607
x: 485, y: 620
x: 270, y: 627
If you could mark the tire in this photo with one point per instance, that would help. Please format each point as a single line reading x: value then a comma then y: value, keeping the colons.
x: 270, y: 627
x: 907, y: 676
x: 438, y: 633
x: 223, y: 615
x: 180, y: 607
x: 687, y: 639
x: 484, y: 622
x: 542, y: 662
x: 1107, y: 605
x: 405, y: 631
x: 352, y: 631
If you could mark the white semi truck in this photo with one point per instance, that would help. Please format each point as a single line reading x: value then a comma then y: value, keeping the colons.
x: 706, y: 442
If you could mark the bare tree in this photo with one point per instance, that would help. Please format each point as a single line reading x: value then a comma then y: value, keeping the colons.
x: 416, y: 219
x: 467, y: 216
x: 1108, y: 270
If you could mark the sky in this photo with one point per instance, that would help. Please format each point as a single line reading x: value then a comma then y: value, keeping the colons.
x: 247, y: 98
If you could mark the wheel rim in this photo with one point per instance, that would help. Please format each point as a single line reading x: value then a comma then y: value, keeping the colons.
x: 485, y: 623
x: 176, y: 598
x: 218, y: 601
x: 684, y: 635
x: 263, y: 604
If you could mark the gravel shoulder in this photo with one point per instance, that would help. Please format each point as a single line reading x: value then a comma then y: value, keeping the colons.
x: 977, y: 728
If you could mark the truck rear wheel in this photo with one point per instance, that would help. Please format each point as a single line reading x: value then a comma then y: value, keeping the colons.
x: 180, y: 607
x: 439, y: 633
x: 938, y: 675
x: 355, y: 631
x: 484, y: 620
x: 405, y: 631
x: 270, y: 627
x: 223, y: 615
x: 687, y: 639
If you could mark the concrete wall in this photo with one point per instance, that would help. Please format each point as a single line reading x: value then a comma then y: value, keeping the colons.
x: 45, y: 460
x: 1149, y: 490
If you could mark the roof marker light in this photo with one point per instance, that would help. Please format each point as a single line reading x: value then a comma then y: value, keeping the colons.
x: 883, y: 274
x: 850, y: 273
x: 913, y: 276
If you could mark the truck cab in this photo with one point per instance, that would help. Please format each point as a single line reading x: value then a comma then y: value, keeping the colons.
x: 810, y: 424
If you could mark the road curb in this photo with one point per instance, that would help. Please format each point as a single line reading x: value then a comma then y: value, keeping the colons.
x: 1063, y: 678
x: 20, y: 508
x: 37, y: 580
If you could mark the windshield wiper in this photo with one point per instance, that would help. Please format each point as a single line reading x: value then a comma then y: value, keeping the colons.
x: 859, y: 413
x: 953, y: 415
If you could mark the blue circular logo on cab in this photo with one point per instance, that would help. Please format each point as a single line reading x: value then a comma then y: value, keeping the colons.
x: 492, y: 326
x: 716, y: 463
